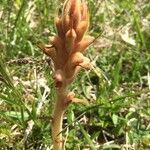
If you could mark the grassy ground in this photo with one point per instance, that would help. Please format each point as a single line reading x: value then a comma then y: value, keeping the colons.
x: 117, y: 87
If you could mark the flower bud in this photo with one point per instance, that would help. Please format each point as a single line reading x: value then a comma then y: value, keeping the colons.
x: 70, y: 40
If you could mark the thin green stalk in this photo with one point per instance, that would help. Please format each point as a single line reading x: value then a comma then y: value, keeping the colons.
x: 88, y: 140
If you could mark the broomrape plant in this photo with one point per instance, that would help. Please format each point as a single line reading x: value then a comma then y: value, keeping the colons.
x: 66, y: 50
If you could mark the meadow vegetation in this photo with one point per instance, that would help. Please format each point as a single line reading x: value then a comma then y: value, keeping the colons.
x: 117, y: 86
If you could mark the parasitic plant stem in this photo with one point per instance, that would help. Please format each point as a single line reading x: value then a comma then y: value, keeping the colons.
x: 59, y: 110
x: 66, y: 51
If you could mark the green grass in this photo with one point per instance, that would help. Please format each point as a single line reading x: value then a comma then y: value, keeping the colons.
x: 117, y: 87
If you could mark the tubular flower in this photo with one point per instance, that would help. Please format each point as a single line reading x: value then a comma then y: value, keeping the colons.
x: 70, y: 42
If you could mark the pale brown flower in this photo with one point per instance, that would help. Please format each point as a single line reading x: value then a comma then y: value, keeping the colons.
x: 66, y: 49
x: 70, y: 42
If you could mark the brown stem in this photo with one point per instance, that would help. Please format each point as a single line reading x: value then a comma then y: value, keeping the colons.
x: 59, y: 110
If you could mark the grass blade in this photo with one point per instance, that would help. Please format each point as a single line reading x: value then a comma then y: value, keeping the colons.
x: 87, y: 138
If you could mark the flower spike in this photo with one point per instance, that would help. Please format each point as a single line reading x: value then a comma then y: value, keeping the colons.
x: 67, y: 55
